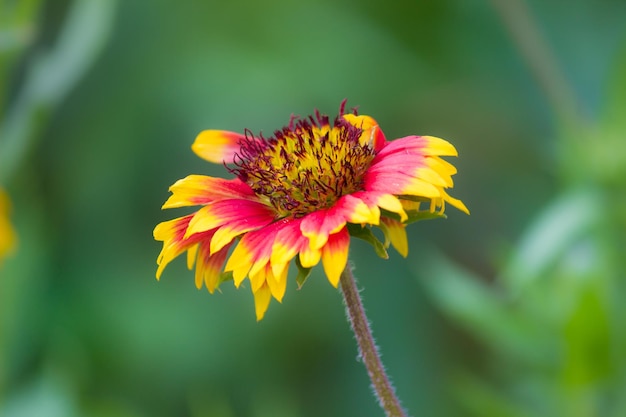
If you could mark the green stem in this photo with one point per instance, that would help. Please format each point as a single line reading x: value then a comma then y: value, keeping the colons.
x: 367, y: 348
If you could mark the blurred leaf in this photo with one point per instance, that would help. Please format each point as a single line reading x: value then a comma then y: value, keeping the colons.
x: 550, y: 234
x: 84, y: 34
x: 23, y: 285
x: 483, y: 400
x: 49, y: 396
x: 52, y: 75
x: 613, y: 117
x: 485, y: 313
x: 18, y: 27
x: 588, y: 341
x: 605, y: 149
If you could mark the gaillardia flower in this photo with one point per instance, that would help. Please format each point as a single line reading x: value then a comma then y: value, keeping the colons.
x: 301, y: 194
x: 7, y: 234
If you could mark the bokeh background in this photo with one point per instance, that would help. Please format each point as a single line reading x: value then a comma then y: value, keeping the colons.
x: 516, y: 310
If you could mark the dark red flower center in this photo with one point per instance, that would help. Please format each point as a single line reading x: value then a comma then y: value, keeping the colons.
x: 306, y: 166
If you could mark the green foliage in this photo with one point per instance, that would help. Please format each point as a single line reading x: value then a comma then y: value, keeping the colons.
x: 552, y: 318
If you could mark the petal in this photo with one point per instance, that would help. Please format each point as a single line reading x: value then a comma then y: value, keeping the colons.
x: 172, y: 234
x: 335, y: 255
x: 309, y: 257
x: 240, y: 262
x: 228, y: 232
x: 289, y: 241
x: 417, y: 166
x: 252, y: 253
x: 399, y: 183
x: 395, y: 231
x: 209, y: 267
x: 196, y: 190
x: 445, y: 169
x: 455, y: 202
x: 217, y: 146
x: 419, y: 145
x: 440, y: 147
x: 277, y: 283
x: 317, y: 226
x: 262, y: 298
x: 192, y: 253
x: 385, y: 201
x: 354, y: 210
x: 258, y: 278
x: 372, y: 134
x: 240, y: 215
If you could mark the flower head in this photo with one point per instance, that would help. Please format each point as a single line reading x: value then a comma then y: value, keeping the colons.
x: 7, y: 234
x: 302, y: 193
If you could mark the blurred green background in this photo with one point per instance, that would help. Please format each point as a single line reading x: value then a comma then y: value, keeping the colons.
x: 516, y: 310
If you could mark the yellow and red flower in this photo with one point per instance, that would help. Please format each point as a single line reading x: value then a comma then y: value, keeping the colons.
x: 301, y: 194
x: 7, y: 234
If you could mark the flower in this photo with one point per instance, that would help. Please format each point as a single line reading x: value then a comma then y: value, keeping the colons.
x: 7, y: 234
x: 301, y: 194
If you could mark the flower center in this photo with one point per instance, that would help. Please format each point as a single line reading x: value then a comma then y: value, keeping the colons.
x: 306, y: 166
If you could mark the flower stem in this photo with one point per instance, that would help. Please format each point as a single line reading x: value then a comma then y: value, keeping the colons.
x: 367, y: 348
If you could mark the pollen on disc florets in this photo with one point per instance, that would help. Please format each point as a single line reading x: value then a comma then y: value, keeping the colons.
x: 305, y: 166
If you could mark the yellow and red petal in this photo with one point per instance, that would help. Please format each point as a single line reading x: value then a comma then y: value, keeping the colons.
x: 385, y: 201
x: 372, y: 134
x: 252, y: 253
x: 335, y: 255
x: 241, y: 215
x: 417, y: 145
x: 172, y: 234
x: 355, y: 210
x: 399, y: 183
x: 317, y: 226
x: 217, y: 146
x: 394, y: 230
x: 192, y: 254
x: 225, y: 234
x: 414, y: 165
x: 209, y: 267
x: 288, y: 242
x: 196, y: 190
x: 239, y: 262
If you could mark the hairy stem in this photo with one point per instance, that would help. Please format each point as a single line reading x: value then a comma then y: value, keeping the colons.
x: 367, y: 348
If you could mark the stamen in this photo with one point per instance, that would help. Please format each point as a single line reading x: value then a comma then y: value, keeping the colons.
x: 306, y: 165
